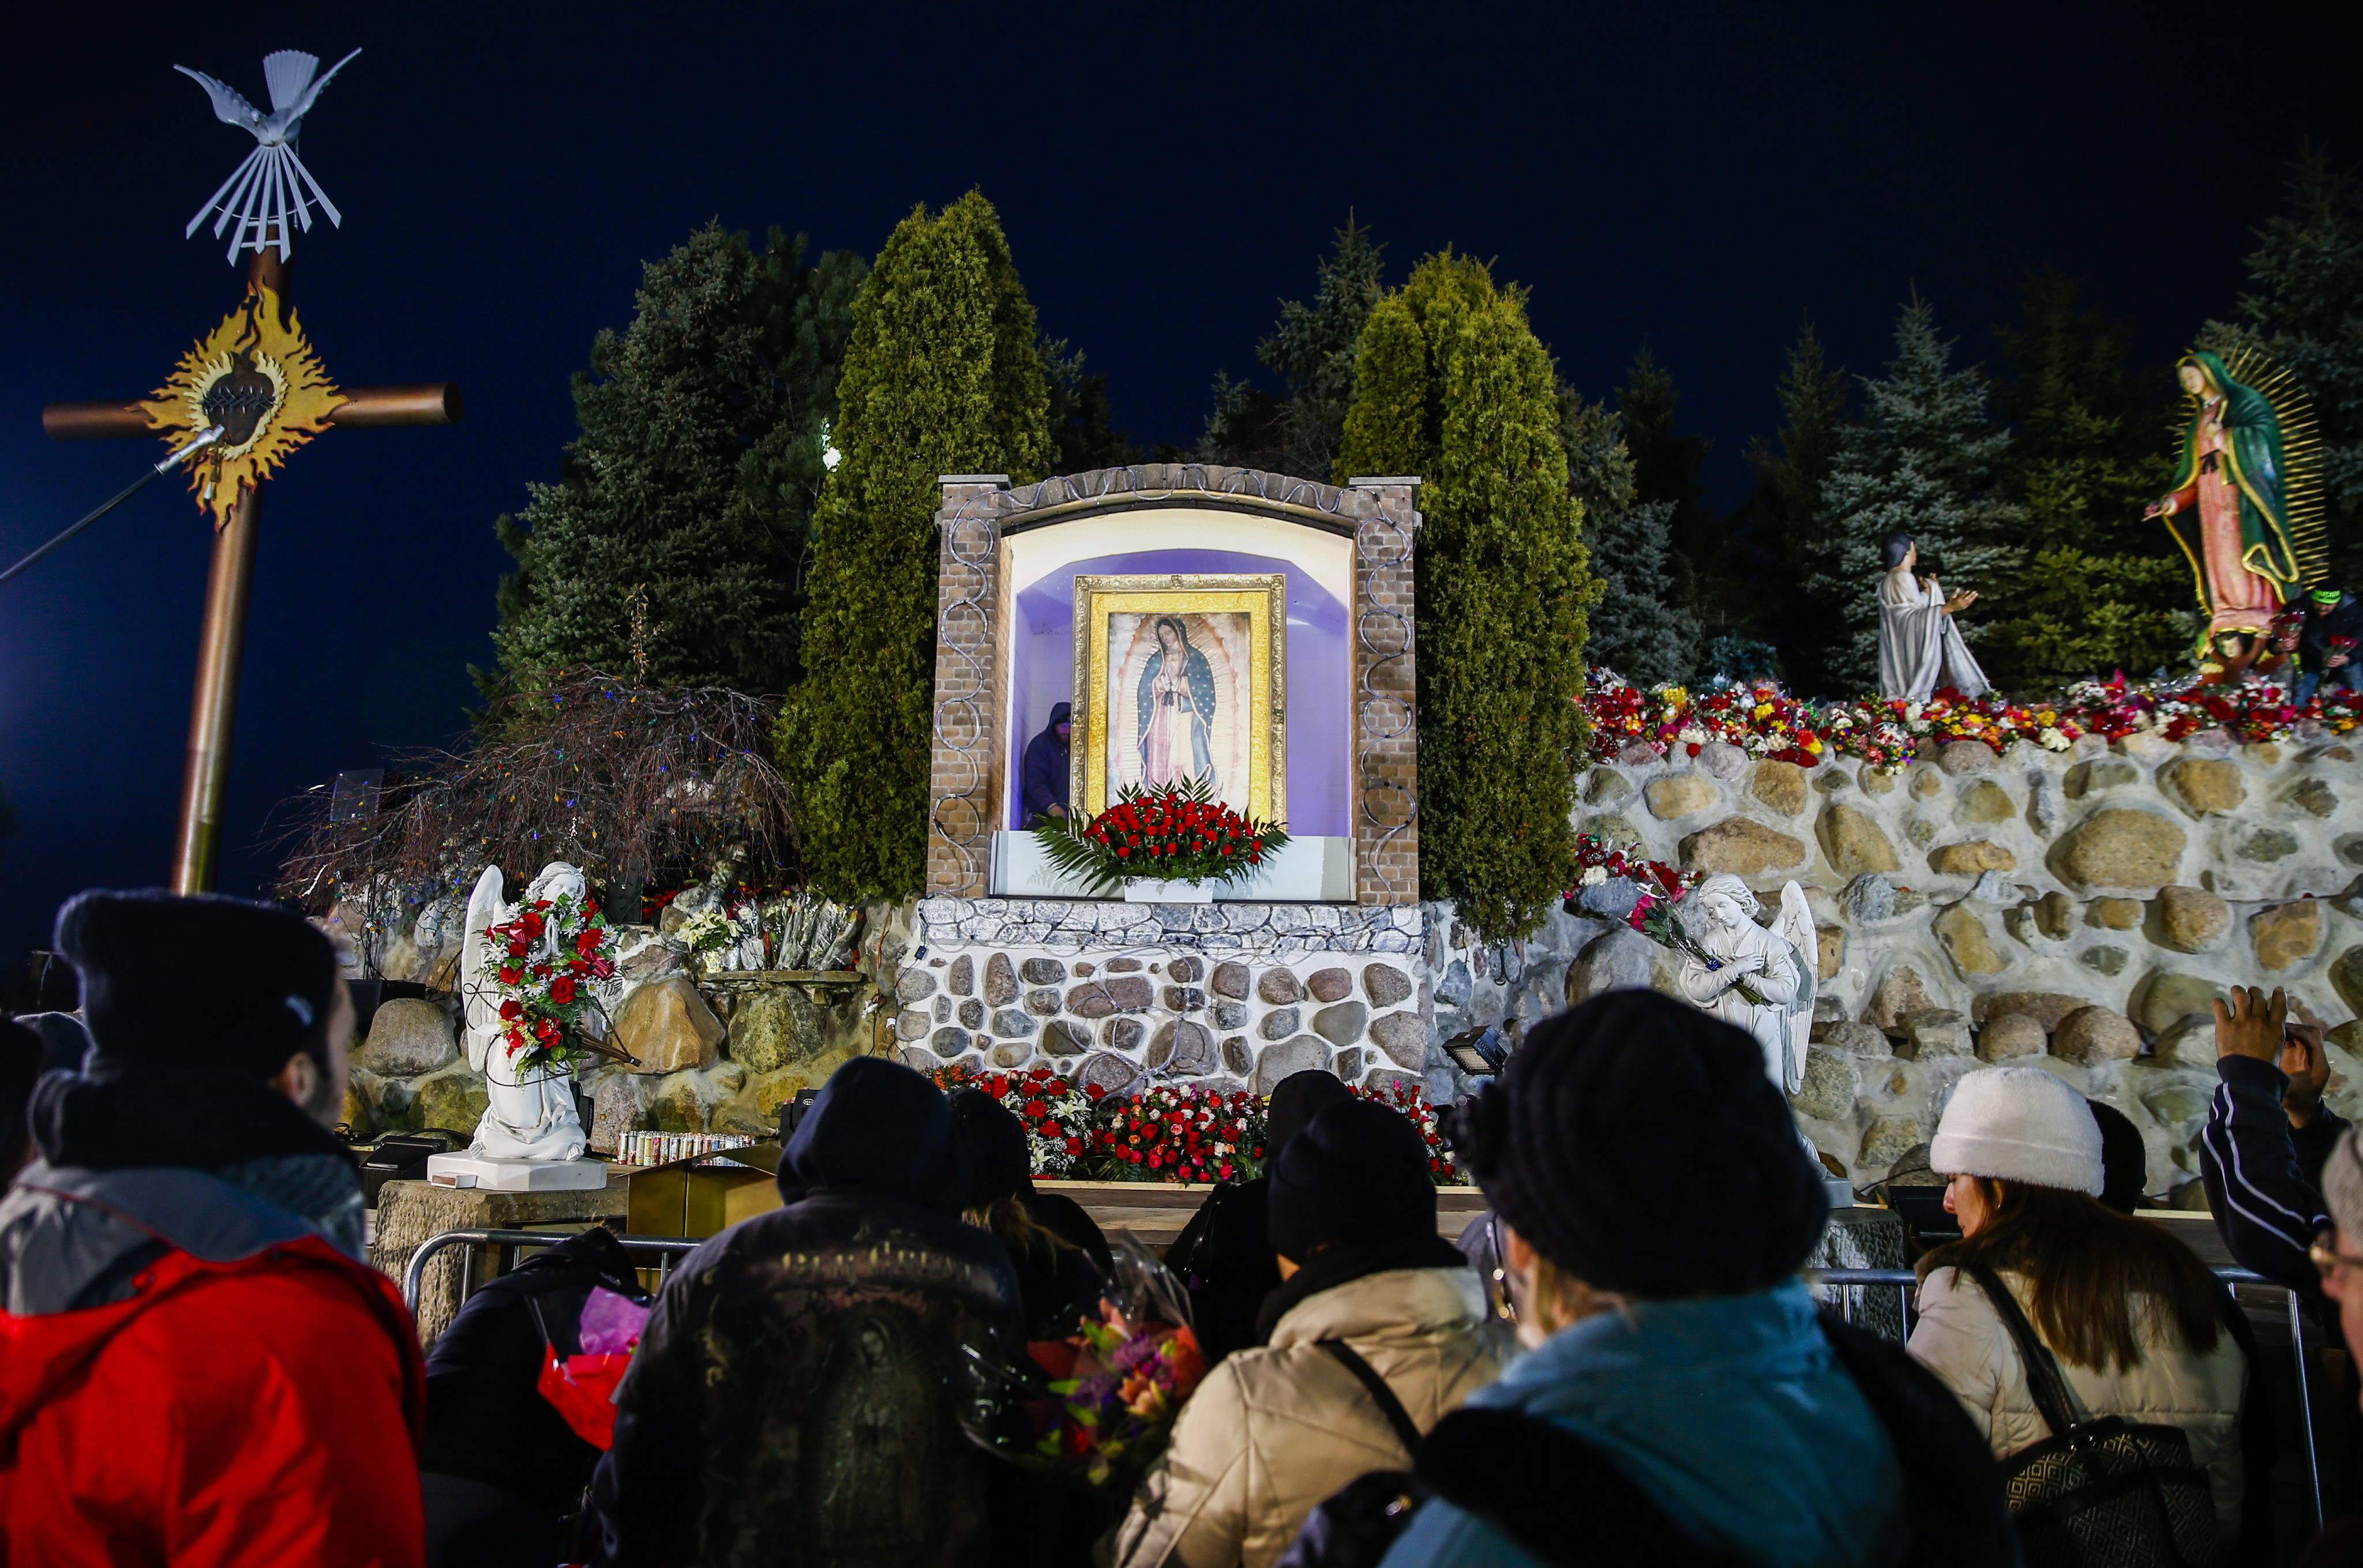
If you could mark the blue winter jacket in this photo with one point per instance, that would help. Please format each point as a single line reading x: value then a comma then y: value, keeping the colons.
x: 1731, y: 1412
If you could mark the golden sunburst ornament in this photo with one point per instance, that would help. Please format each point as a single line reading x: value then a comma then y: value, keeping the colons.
x: 261, y: 383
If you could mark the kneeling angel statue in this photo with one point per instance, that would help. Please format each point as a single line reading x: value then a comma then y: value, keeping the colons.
x: 1759, y: 979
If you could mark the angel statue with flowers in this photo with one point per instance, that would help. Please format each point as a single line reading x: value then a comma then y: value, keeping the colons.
x: 1761, y: 979
x: 531, y: 1113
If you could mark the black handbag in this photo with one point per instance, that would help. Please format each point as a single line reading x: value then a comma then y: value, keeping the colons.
x: 2107, y: 1493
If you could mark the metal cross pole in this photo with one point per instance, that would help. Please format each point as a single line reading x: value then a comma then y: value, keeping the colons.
x: 221, y: 648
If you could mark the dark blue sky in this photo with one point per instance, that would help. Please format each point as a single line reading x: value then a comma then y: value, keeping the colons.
x: 1697, y: 176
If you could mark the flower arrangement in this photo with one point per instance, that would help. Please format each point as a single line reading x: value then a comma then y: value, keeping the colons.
x: 1767, y: 723
x: 1172, y: 1132
x: 1119, y: 1384
x: 713, y: 931
x: 1057, y: 1115
x: 542, y: 965
x: 1603, y: 862
x: 1441, y: 1170
x: 1179, y: 833
x: 1180, y: 1133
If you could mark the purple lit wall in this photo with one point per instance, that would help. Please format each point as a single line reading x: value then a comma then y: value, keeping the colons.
x: 1042, y: 675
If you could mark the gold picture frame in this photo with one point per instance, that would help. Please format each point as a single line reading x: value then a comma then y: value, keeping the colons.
x: 1243, y: 620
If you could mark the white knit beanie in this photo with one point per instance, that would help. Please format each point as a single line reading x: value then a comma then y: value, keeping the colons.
x: 2019, y: 1124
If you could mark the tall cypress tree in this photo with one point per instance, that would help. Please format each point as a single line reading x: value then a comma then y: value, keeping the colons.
x: 1786, y: 507
x: 1453, y: 386
x: 2307, y: 310
x: 942, y: 375
x: 1312, y: 349
x: 1639, y: 628
x: 670, y: 548
x: 2104, y: 589
x: 1927, y: 461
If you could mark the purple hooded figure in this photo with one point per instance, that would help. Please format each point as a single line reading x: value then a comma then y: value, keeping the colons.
x: 1043, y: 784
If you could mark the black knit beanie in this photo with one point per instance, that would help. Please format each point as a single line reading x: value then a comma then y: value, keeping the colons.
x: 999, y: 1162
x: 196, y: 982
x: 2124, y: 1160
x: 1357, y: 1177
x: 1638, y: 1144
x: 1295, y: 1101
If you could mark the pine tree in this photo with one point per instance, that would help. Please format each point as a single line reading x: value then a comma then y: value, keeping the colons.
x: 1639, y: 628
x: 1083, y: 420
x: 1312, y: 349
x: 669, y: 548
x: 2307, y: 310
x: 942, y: 375
x: 1452, y: 384
x: 2104, y: 589
x: 1785, y: 508
x: 1925, y: 460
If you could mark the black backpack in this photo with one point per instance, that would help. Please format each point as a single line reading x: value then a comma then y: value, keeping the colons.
x: 1565, y: 1501
x: 2107, y: 1493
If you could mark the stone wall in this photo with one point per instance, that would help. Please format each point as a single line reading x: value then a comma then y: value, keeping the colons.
x: 1232, y: 995
x: 713, y: 1057
x: 2077, y: 912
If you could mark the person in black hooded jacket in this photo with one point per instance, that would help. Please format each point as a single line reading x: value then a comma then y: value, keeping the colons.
x: 1225, y: 1254
x: 484, y: 1405
x: 1059, y: 1281
x: 797, y: 1380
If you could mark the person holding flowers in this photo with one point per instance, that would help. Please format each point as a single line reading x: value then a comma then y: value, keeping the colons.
x: 1378, y: 1328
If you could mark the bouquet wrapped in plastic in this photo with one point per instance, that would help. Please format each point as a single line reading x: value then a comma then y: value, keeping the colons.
x: 1097, y: 1406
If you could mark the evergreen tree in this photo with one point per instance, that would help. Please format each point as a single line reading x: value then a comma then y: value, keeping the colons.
x: 2104, y: 588
x: 1453, y: 386
x: 1083, y: 420
x: 942, y: 375
x: 1785, y: 507
x: 2307, y: 311
x: 1639, y: 628
x: 1925, y: 460
x: 1312, y: 349
x: 669, y: 548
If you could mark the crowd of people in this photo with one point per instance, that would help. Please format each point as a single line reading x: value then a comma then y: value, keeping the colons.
x: 199, y: 1366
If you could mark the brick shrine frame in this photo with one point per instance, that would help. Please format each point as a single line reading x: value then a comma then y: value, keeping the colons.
x: 966, y: 767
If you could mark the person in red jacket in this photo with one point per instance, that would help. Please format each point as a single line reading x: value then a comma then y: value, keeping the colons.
x: 195, y: 1366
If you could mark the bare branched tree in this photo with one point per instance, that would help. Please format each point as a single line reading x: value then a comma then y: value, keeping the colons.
x: 623, y: 780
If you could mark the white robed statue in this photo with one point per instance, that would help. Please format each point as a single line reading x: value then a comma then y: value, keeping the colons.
x: 531, y: 1115
x: 1920, y: 649
x: 1777, y: 965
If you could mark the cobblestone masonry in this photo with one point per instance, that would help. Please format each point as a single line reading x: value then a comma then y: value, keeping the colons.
x: 2077, y: 912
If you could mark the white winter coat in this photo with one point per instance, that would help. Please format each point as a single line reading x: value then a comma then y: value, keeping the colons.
x: 1274, y: 1432
x: 1961, y: 1338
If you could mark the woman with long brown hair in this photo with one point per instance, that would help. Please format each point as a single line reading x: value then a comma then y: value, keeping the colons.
x: 2131, y: 1316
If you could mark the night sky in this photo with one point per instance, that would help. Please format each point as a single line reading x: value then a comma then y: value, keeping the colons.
x: 1697, y: 177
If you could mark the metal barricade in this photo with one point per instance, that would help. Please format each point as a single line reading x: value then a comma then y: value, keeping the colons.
x: 413, y: 1278
x: 1905, y: 1281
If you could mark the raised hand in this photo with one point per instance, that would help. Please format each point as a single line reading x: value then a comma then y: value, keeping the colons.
x: 2252, y: 1025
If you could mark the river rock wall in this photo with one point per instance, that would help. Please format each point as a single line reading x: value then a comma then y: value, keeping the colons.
x: 2077, y: 911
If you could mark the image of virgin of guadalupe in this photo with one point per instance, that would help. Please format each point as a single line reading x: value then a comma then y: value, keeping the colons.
x: 2229, y: 507
x: 1177, y: 711
x: 1920, y: 649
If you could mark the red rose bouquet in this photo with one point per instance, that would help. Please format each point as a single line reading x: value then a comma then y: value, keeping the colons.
x: 1179, y: 833
x: 1056, y: 1115
x: 1177, y: 1133
x: 543, y: 966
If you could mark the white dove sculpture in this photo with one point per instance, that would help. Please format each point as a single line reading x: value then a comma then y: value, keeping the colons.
x: 262, y: 193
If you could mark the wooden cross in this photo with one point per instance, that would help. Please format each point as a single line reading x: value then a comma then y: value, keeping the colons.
x: 221, y: 647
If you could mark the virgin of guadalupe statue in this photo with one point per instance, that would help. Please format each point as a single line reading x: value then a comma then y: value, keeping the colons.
x: 531, y: 1115
x: 1920, y: 649
x: 1177, y: 711
x: 2232, y: 506
x: 1779, y: 965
